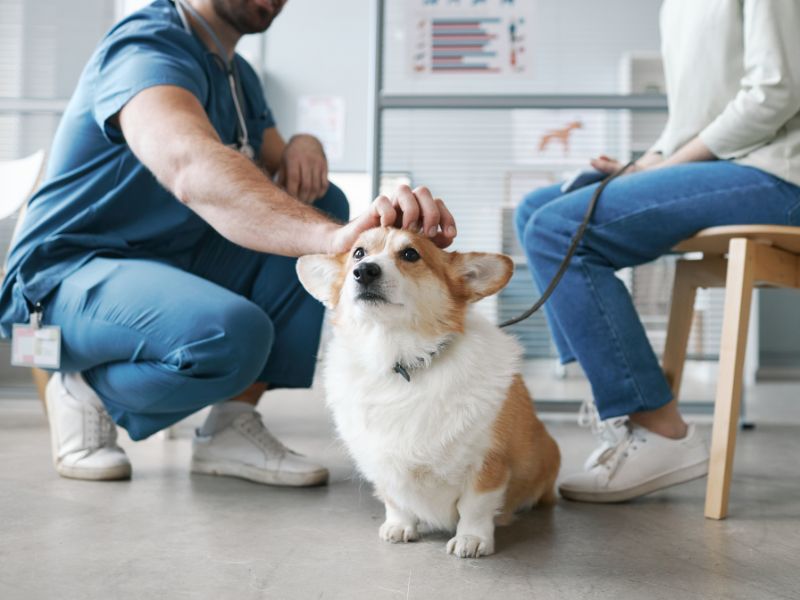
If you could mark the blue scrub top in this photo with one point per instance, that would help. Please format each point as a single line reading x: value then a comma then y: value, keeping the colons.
x: 97, y: 199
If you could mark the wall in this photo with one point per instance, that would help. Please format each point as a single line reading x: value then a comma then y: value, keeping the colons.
x: 575, y: 46
x: 779, y: 334
x: 322, y: 47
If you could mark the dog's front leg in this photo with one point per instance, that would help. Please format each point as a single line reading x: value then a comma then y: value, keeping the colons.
x: 399, y: 526
x: 475, y: 531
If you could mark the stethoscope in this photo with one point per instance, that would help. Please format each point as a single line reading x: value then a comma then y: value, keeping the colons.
x: 243, y: 145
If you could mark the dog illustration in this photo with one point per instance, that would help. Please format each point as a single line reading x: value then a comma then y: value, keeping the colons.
x: 561, y: 135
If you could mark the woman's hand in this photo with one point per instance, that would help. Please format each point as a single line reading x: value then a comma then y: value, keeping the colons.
x: 415, y: 210
x: 304, y: 169
x: 605, y: 164
x: 611, y: 165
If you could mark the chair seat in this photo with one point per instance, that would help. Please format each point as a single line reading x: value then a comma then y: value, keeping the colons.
x: 714, y: 240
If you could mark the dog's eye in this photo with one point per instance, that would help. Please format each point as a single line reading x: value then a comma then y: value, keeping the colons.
x: 359, y: 253
x: 410, y: 255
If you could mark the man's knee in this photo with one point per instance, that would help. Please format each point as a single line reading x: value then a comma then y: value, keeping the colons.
x: 335, y: 203
x: 233, y: 347
x: 251, y: 335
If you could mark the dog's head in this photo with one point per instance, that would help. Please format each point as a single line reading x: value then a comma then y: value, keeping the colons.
x: 396, y: 277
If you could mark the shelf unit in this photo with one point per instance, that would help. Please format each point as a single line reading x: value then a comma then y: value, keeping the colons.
x: 639, y: 107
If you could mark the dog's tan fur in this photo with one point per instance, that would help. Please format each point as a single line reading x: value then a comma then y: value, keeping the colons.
x: 522, y: 453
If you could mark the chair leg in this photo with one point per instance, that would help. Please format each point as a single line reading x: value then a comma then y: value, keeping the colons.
x: 738, y: 294
x: 679, y: 325
x: 689, y: 275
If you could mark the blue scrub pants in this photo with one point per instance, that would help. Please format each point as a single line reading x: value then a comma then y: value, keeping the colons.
x: 160, y: 339
x: 638, y: 218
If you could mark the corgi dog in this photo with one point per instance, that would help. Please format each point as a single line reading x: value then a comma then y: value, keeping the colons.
x: 425, y: 393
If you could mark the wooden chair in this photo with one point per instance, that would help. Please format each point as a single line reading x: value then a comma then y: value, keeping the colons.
x: 738, y: 258
x: 20, y: 179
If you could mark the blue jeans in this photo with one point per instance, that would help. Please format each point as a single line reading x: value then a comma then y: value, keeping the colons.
x: 639, y: 217
x: 160, y: 339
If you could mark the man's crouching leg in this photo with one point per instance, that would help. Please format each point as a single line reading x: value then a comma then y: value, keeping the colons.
x: 145, y: 345
x: 233, y: 440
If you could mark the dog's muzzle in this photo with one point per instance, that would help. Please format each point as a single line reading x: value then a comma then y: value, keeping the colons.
x: 368, y: 276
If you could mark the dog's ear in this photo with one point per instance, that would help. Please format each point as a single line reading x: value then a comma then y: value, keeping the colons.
x: 320, y: 274
x: 482, y: 274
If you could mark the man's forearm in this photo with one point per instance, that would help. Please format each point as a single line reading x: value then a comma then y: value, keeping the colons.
x: 169, y: 132
x: 243, y: 205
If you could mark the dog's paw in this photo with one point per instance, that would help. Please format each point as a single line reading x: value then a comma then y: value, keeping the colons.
x: 398, y: 532
x: 470, y: 546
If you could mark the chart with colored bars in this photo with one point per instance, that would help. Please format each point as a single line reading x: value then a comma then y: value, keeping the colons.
x: 469, y: 37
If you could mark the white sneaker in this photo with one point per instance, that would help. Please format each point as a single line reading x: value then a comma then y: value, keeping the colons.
x: 610, y: 432
x: 247, y: 449
x: 640, y: 463
x: 83, y: 437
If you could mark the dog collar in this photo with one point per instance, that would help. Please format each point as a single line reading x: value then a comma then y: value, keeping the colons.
x: 404, y: 369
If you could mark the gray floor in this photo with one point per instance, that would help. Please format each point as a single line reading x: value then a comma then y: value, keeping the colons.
x: 167, y: 534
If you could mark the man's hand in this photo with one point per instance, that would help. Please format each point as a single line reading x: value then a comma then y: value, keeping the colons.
x: 415, y: 210
x: 303, y: 171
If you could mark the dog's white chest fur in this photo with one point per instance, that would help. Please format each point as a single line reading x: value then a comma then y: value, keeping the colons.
x: 419, y: 442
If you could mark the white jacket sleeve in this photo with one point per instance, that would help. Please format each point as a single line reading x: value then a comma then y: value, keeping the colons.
x: 770, y: 92
x: 660, y: 143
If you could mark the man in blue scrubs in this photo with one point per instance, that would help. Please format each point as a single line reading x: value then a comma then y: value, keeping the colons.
x: 162, y: 248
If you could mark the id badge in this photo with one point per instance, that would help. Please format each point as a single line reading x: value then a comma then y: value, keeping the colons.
x: 35, y: 346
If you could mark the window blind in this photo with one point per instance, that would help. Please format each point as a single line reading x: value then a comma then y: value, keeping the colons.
x: 44, y: 45
x: 483, y: 162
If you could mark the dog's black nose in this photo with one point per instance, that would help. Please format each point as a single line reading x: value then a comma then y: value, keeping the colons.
x: 366, y: 272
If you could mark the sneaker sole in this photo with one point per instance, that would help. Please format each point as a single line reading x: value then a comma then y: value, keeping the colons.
x: 659, y: 483
x: 114, y: 473
x: 242, y: 471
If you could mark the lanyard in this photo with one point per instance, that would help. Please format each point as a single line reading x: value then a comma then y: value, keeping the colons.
x: 243, y: 145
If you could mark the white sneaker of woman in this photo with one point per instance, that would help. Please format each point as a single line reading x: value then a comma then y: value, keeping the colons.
x: 638, y: 462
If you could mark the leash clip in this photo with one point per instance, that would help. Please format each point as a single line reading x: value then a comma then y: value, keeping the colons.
x: 36, y: 316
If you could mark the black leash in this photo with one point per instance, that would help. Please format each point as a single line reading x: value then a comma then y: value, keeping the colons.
x: 576, y: 240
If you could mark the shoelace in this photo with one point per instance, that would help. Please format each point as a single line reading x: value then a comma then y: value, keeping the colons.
x: 613, y: 456
x: 606, y: 432
x: 99, y: 428
x: 254, y: 426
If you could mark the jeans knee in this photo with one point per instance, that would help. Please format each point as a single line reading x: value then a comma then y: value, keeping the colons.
x: 530, y: 204
x: 335, y: 203
x: 542, y: 237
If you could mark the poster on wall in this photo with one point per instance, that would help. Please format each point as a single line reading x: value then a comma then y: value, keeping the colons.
x: 476, y: 37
